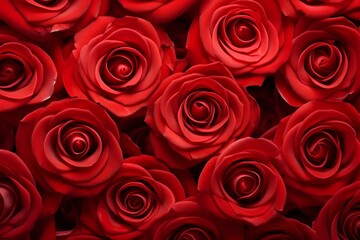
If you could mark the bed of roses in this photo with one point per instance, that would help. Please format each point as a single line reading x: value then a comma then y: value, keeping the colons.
x: 179, y: 119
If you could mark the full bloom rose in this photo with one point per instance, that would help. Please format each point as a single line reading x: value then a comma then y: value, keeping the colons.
x: 252, y: 38
x: 39, y: 18
x: 140, y: 193
x: 281, y: 228
x: 324, y: 62
x: 20, y: 202
x: 187, y: 220
x: 158, y: 11
x: 243, y: 182
x: 119, y: 63
x: 319, y: 146
x: 193, y: 115
x: 339, y: 218
x: 27, y: 73
x: 71, y: 146
x: 321, y: 8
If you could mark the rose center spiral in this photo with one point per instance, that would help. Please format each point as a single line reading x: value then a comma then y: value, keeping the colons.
x: 120, y: 65
x: 245, y: 31
x: 199, y: 110
x: 10, y: 71
x: 242, y: 182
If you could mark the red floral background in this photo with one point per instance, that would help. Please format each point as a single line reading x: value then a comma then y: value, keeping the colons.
x: 179, y: 119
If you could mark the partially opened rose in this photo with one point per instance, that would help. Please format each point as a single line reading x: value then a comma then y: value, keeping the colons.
x: 20, y: 202
x: 339, y: 218
x: 194, y: 115
x: 27, y: 73
x: 71, y: 146
x: 119, y: 63
x: 320, y: 150
x: 251, y: 38
x: 324, y: 62
x: 243, y: 183
x: 140, y: 193
x: 39, y: 18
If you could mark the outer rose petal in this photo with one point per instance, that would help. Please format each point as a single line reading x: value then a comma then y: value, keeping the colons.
x: 38, y: 20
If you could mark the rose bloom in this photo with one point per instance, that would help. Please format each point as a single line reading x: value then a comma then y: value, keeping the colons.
x: 243, y: 183
x: 27, y: 73
x: 193, y: 115
x: 71, y: 146
x: 20, y: 202
x: 321, y: 9
x: 319, y: 146
x: 324, y: 62
x: 339, y: 218
x: 38, y: 18
x: 187, y: 220
x: 158, y: 11
x: 119, y: 63
x: 140, y: 193
x: 281, y: 228
x: 251, y: 38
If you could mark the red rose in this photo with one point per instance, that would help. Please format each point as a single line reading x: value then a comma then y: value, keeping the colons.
x: 251, y: 38
x: 27, y: 73
x: 71, y: 146
x: 38, y: 18
x: 193, y: 115
x: 243, y: 183
x: 339, y: 218
x: 321, y: 9
x: 281, y: 228
x: 324, y: 62
x: 187, y: 220
x: 158, y: 11
x: 140, y: 193
x: 20, y: 202
x: 119, y: 63
x: 319, y: 146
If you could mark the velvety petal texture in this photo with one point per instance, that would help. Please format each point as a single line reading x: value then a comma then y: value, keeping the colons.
x: 243, y: 183
x: 158, y: 11
x: 141, y: 192
x: 323, y: 63
x: 39, y: 18
x: 20, y: 202
x: 27, y: 72
x: 194, y: 114
x: 320, y: 9
x: 251, y: 38
x: 119, y: 63
x: 71, y: 146
x: 339, y: 218
x: 186, y: 220
x: 319, y: 146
